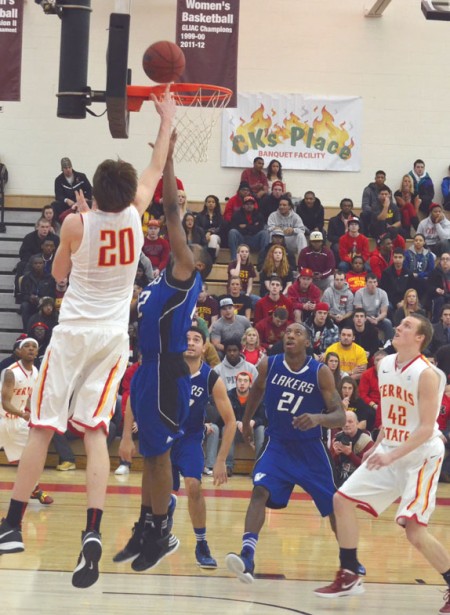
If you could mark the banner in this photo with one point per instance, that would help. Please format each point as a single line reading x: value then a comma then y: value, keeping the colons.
x: 11, y: 20
x: 301, y: 131
x: 207, y: 32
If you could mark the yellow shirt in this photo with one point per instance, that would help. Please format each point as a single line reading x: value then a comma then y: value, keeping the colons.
x: 350, y: 357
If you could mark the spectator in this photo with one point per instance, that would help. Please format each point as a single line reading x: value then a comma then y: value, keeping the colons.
x: 228, y: 326
x: 276, y: 239
x: 157, y: 197
x: 49, y: 214
x: 352, y: 357
x: 141, y: 279
x: 66, y: 184
x: 46, y: 314
x: 40, y: 332
x: 333, y: 361
x: 340, y: 299
x: 445, y: 187
x: 210, y: 219
x: 34, y: 285
x: 396, y: 279
x: 322, y: 329
x: 356, y: 277
x: 348, y: 390
x: 233, y: 363
x: 207, y: 306
x: 423, y: 185
x: 270, y: 202
x: 337, y: 226
x: 304, y: 295
x: 32, y: 242
x: 47, y: 253
x: 183, y: 203
x: 274, y: 299
x: 312, y: 213
x: 276, y: 263
x: 348, y: 448
x: 274, y: 173
x: 256, y: 178
x: 194, y: 233
x: 243, y: 268
x: 247, y: 224
x: 351, y: 244
x: 319, y: 259
x: 236, y: 202
x: 441, y: 330
x: 252, y: 351
x: 156, y: 248
x: 409, y: 305
x: 438, y: 287
x: 366, y: 334
x: 370, y: 199
x: 385, y: 215
x: 210, y: 355
x: 272, y: 328
x: 15, y: 354
x: 420, y: 262
x: 408, y: 203
x: 436, y: 230
x: 375, y: 303
x: 381, y: 257
x: 368, y: 387
x: 290, y: 223
x: 242, y: 303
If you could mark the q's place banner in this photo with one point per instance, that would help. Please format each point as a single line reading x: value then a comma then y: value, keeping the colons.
x: 301, y: 131
x: 11, y: 20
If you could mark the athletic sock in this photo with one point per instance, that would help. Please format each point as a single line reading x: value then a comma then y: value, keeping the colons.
x: 94, y: 518
x: 349, y: 560
x: 160, y: 523
x: 200, y: 533
x: 249, y: 541
x: 16, y: 512
x: 145, y: 510
x: 446, y: 576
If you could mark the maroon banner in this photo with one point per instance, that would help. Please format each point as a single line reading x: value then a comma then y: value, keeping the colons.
x: 11, y: 21
x: 207, y: 32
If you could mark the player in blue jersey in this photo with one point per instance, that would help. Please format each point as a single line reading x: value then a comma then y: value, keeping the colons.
x: 187, y: 453
x: 160, y: 389
x: 300, y: 399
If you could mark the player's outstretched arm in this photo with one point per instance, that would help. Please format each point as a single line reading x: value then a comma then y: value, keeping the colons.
x: 254, y: 399
x: 151, y: 175
x: 223, y: 405
x: 183, y: 258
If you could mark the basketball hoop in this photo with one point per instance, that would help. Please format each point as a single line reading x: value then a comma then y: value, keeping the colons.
x: 194, y: 123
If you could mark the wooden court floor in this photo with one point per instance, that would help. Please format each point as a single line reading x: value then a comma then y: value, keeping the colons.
x: 296, y: 553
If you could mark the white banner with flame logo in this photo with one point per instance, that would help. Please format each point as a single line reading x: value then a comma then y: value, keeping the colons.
x: 301, y: 131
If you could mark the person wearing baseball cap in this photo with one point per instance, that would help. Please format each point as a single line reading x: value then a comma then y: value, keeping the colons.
x: 304, y: 295
x: 65, y: 186
x: 228, y: 325
x: 247, y: 226
x: 269, y: 203
x: 235, y: 203
x: 353, y: 243
x: 320, y: 259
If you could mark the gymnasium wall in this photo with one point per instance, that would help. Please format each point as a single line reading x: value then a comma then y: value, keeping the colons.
x: 398, y: 64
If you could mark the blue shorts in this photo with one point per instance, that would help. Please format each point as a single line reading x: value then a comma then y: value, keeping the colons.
x: 187, y: 458
x: 159, y: 395
x: 284, y: 464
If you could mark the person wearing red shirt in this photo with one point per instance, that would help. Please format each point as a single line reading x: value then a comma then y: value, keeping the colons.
x: 267, y: 305
x: 368, y: 387
x: 235, y: 203
x: 353, y: 243
x: 124, y: 466
x: 156, y: 248
x: 356, y: 277
x: 272, y: 328
x: 304, y: 295
x: 256, y: 178
x: 157, y: 197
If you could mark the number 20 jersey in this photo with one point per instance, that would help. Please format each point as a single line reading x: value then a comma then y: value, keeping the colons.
x: 104, y: 268
x: 290, y: 394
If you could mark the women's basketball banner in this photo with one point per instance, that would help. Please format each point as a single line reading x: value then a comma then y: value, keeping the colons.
x: 301, y: 131
x: 11, y: 20
x: 207, y: 32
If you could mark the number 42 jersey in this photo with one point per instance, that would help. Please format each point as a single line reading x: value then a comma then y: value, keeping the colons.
x: 289, y: 394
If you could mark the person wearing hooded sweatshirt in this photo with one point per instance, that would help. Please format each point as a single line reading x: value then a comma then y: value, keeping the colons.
x: 423, y: 185
x: 436, y: 229
x: 370, y: 199
x: 340, y: 299
x: 312, y: 213
x: 290, y: 223
x: 233, y: 363
x: 420, y: 262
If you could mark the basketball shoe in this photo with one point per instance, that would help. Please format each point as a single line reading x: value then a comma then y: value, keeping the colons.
x: 346, y: 583
x: 10, y: 538
x: 203, y: 556
x: 171, y: 511
x: 133, y: 546
x: 86, y: 573
x: 40, y: 495
x: 154, y: 549
x: 241, y: 565
x: 446, y: 607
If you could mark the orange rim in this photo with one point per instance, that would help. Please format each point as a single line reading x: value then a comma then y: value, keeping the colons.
x: 185, y: 94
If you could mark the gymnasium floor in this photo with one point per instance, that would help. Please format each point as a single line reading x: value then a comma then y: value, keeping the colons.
x: 296, y: 553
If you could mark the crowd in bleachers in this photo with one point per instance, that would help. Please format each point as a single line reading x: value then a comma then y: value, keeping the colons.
x: 350, y: 280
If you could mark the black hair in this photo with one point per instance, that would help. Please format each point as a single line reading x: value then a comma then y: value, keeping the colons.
x: 232, y: 341
x: 195, y: 329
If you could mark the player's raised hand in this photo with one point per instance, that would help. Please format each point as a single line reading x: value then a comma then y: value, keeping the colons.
x: 165, y: 107
x: 81, y: 203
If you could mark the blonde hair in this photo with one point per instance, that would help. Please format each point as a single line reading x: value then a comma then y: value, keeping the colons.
x: 405, y: 307
x: 251, y: 330
x: 184, y: 208
x: 411, y: 183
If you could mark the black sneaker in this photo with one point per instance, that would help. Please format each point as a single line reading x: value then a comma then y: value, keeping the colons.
x: 86, y: 572
x: 10, y: 538
x: 133, y: 546
x: 154, y: 549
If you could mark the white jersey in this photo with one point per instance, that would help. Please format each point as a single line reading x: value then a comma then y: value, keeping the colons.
x: 399, y: 397
x: 24, y: 382
x: 103, y: 269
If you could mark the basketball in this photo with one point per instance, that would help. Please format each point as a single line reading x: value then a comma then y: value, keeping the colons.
x: 163, y: 62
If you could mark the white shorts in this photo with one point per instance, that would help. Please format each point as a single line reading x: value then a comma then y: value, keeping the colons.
x: 79, y: 378
x: 13, y: 437
x: 413, y: 478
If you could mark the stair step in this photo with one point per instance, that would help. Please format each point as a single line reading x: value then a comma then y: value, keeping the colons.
x: 6, y: 281
x: 10, y: 320
x: 7, y: 263
x: 21, y: 216
x: 7, y: 301
x: 16, y: 231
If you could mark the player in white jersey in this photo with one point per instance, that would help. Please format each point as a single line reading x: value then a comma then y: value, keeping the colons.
x: 404, y: 463
x: 87, y: 354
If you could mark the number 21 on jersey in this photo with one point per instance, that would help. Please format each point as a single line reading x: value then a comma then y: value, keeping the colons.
x: 286, y: 402
x: 117, y: 247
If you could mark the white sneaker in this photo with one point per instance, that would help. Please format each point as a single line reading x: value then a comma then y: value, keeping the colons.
x: 122, y: 469
x: 207, y: 471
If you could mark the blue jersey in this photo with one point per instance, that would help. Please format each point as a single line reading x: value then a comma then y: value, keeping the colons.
x: 290, y: 394
x: 166, y: 307
x: 202, y: 384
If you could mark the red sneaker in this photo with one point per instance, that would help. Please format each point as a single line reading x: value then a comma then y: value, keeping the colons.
x: 40, y: 495
x: 346, y: 583
x: 446, y: 607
